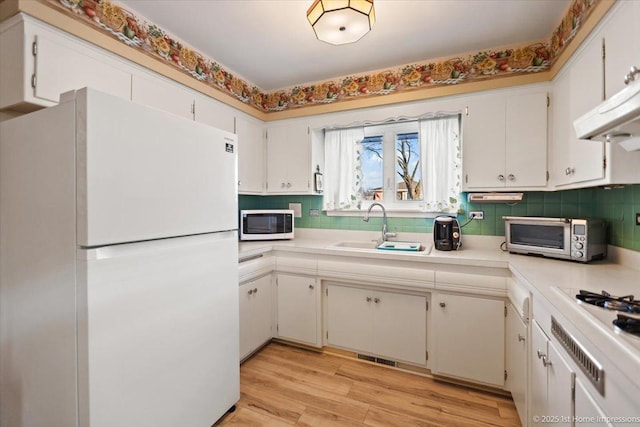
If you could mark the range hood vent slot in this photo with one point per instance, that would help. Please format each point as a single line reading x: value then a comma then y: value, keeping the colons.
x: 495, y: 197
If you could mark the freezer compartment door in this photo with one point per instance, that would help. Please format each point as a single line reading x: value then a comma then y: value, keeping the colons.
x: 158, y: 332
x: 145, y: 174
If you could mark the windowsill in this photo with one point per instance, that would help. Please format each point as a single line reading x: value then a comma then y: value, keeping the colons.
x: 390, y: 213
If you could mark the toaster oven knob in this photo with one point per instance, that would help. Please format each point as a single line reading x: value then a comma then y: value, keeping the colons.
x: 578, y: 254
x: 578, y: 245
x: 575, y: 238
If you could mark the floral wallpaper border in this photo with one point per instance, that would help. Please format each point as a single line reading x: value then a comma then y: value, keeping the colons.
x: 137, y: 33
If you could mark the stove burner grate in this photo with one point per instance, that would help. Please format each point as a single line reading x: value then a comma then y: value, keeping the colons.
x: 605, y: 300
x: 628, y: 324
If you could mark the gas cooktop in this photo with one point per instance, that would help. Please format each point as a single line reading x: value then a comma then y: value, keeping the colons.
x: 617, y: 314
x: 628, y: 308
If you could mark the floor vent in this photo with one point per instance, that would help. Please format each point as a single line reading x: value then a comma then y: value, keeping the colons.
x: 584, y: 360
x: 378, y: 360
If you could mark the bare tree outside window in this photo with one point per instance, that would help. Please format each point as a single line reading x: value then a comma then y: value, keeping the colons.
x: 409, y: 186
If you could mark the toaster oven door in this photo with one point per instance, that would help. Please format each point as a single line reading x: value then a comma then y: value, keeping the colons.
x: 539, y: 236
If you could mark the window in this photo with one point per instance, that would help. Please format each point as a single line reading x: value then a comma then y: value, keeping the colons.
x: 409, y: 166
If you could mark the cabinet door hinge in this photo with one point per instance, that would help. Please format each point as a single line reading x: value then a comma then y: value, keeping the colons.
x: 505, y: 375
x: 327, y: 334
x: 505, y: 311
x: 427, y: 304
x: 193, y: 109
x: 604, y: 69
x: 466, y: 178
x: 34, y: 81
x: 548, y: 101
x: 426, y: 355
x: 326, y: 292
x: 277, y: 328
x: 34, y: 48
x: 276, y: 281
x: 547, y: 176
x: 466, y: 110
x: 604, y: 162
x: 308, y: 130
x: 266, y: 134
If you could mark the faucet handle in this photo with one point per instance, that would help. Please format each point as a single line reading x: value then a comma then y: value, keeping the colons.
x: 391, y: 234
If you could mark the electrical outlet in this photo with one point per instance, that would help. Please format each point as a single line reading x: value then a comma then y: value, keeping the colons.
x: 476, y: 214
x: 314, y: 212
x: 637, y: 218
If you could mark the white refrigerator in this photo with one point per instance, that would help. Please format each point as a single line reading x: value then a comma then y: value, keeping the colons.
x: 118, y: 267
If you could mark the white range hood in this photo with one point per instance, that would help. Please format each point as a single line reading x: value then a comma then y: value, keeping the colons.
x: 615, y: 120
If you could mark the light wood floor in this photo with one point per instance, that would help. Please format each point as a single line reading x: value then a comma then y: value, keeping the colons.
x: 284, y: 386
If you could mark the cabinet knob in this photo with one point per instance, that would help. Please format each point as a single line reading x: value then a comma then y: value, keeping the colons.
x: 376, y: 300
x: 511, y: 177
x: 540, y: 354
x: 443, y: 305
x: 569, y: 171
x: 311, y: 287
x: 546, y: 362
x: 632, y: 75
x: 521, y: 338
x: 368, y: 299
x: 255, y: 290
x: 250, y: 291
x: 500, y: 177
x: 239, y: 183
x: 288, y: 185
x: 282, y: 185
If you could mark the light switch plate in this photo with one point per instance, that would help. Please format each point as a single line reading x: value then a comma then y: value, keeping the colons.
x: 297, y: 209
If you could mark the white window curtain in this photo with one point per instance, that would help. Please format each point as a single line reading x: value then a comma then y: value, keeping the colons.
x: 440, y: 142
x: 342, y: 175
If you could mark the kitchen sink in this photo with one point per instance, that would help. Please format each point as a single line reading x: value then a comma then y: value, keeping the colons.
x: 357, y: 245
x: 391, y: 246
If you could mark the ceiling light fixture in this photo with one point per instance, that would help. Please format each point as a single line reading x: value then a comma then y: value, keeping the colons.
x: 341, y: 21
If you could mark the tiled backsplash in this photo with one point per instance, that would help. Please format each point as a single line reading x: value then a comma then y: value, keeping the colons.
x: 617, y: 206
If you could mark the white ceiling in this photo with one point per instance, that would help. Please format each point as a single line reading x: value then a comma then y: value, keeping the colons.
x: 270, y: 43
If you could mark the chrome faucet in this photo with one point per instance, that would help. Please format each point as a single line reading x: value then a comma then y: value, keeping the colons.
x: 384, y: 222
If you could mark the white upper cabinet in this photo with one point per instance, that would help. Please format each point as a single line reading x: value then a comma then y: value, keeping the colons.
x: 505, y: 141
x: 213, y: 113
x: 162, y: 94
x: 585, y: 92
x: 595, y: 71
x: 621, y: 36
x: 483, y: 142
x: 40, y: 63
x: 526, y: 140
x: 289, y: 159
x: 251, y: 159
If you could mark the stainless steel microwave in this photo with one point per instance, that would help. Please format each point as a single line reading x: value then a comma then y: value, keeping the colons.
x: 268, y: 224
x: 573, y: 239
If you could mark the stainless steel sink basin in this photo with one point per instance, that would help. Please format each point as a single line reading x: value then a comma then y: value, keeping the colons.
x: 357, y: 245
x: 389, y: 246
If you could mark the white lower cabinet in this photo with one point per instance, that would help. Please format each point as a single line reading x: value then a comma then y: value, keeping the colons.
x: 298, y: 308
x: 469, y: 338
x: 255, y: 315
x: 586, y: 408
x: 516, y: 343
x: 552, y: 381
x: 385, y: 324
